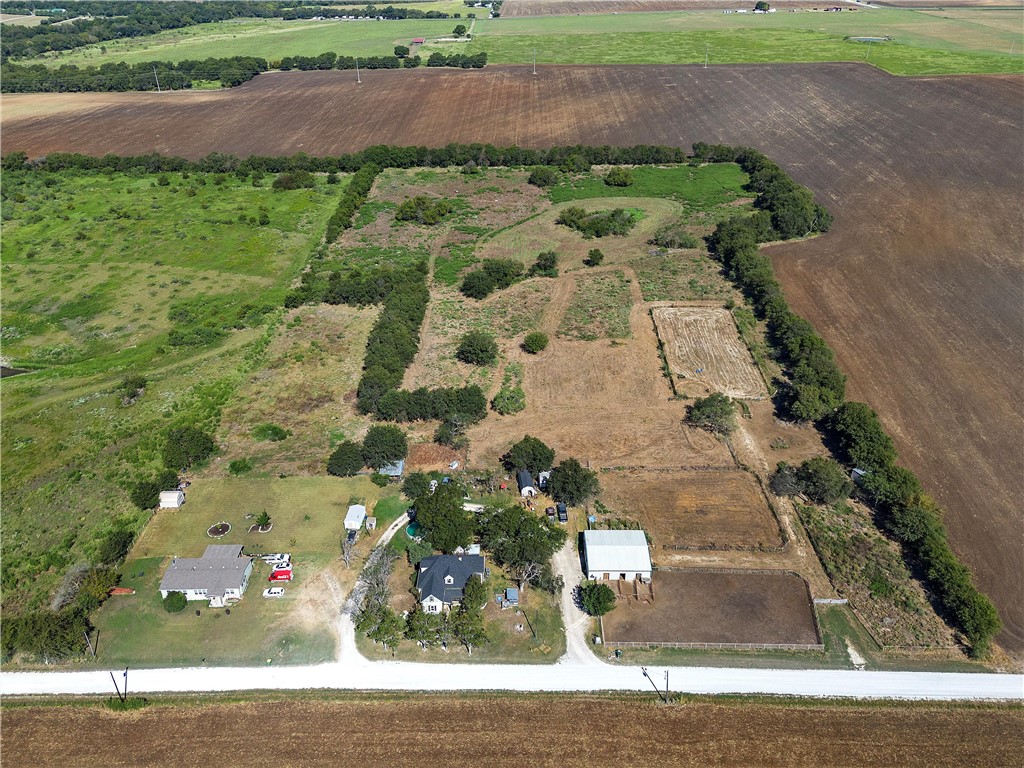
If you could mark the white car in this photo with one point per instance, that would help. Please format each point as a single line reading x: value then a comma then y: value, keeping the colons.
x: 273, y: 592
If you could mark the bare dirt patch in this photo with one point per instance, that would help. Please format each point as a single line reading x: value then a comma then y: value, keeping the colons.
x: 918, y: 286
x: 696, y: 509
x: 703, y: 349
x: 717, y: 607
x: 733, y: 734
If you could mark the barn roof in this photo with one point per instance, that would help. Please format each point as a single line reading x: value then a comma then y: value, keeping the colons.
x: 616, y: 551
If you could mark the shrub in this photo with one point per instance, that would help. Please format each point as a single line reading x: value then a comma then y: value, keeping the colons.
x: 452, y: 433
x: 175, y: 602
x: 543, y: 176
x: 423, y: 210
x: 383, y: 445
x: 114, y: 545
x: 185, y: 446
x: 546, y: 266
x: 675, y: 236
x: 240, y: 466
x: 401, y: 51
x: 346, y: 460
x: 379, y: 480
x: 492, y: 275
x: 823, y: 480
x: 535, y: 342
x: 477, y: 348
x: 596, y: 599
x: 715, y: 413
x: 619, y: 177
x: 294, y: 180
x: 594, y: 257
x: 270, y: 432
x: 509, y: 400
x: 618, y: 221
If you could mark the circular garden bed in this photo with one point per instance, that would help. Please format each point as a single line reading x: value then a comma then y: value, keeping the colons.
x: 219, y: 530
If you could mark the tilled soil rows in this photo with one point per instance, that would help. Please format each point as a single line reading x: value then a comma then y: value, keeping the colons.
x: 918, y: 287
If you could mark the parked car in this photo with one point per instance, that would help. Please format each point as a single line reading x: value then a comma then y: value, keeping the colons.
x: 273, y: 592
x: 281, y: 565
x: 563, y: 513
x: 352, y: 536
x: 280, y: 576
x: 550, y: 512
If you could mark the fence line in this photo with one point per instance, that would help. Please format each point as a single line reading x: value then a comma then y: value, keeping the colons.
x: 721, y: 646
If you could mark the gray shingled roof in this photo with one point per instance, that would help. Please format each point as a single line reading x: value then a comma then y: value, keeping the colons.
x: 430, y: 579
x: 219, y: 569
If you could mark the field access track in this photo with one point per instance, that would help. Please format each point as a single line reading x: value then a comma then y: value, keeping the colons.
x: 919, y: 286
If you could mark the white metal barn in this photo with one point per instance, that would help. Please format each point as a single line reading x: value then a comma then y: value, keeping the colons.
x: 616, y: 555
x: 171, y: 499
x: 355, y: 517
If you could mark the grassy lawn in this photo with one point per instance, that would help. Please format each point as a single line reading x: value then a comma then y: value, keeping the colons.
x: 307, y: 514
x: 92, y: 266
x: 702, y: 188
x: 268, y: 38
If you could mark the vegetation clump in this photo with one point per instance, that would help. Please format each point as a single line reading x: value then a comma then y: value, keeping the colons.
x: 535, y: 342
x: 477, y: 348
x: 546, y: 265
x: 571, y: 483
x: 186, y: 446
x: 175, y: 602
x: 509, y: 400
x: 596, y: 599
x: 618, y: 221
x: 346, y: 460
x: 619, y: 177
x: 491, y: 276
x: 530, y: 454
x: 289, y: 180
x: 594, y: 257
x: 543, y: 176
x: 822, y: 480
x: 384, y: 444
x: 423, y: 210
x: 271, y: 432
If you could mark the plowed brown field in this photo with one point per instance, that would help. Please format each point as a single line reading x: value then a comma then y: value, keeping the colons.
x: 512, y: 732
x: 919, y: 287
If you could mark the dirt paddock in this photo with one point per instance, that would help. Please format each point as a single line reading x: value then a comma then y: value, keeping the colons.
x: 707, y: 509
x: 717, y: 607
x: 705, y: 339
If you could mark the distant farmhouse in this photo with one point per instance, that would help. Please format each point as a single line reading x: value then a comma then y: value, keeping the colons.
x: 221, y: 574
x: 614, y: 555
x: 442, y: 578
x: 355, y: 517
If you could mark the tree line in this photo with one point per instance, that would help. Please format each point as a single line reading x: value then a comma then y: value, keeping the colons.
x: 816, y: 388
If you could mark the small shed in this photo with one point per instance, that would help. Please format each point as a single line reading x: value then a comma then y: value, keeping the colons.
x: 371, y: 523
x: 171, y: 499
x: 395, y: 470
x: 355, y: 517
x: 512, y: 596
x: 527, y: 485
x: 418, y: 41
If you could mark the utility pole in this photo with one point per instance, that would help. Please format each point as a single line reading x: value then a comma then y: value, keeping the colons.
x: 707, y: 47
x: 92, y: 650
x: 868, y: 52
x: 657, y: 690
x: 157, y: 78
x: 535, y: 61
x: 358, y: 80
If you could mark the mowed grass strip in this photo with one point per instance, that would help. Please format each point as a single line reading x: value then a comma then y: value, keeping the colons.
x: 700, y: 188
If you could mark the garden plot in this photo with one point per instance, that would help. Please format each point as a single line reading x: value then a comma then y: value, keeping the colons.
x: 697, y: 509
x: 701, y: 345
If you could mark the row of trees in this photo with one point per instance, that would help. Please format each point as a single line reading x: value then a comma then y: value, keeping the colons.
x: 331, y: 60
x: 599, y: 223
x: 351, y: 200
x: 382, y: 155
x: 493, y: 275
x: 816, y: 392
x: 384, y: 444
x: 120, y: 76
x: 913, y: 518
x: 461, y: 60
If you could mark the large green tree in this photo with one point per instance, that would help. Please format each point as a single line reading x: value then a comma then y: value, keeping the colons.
x: 444, y: 522
x: 519, y: 541
x: 823, y: 480
x: 571, y: 483
x: 715, y: 413
x: 383, y: 445
x: 185, y: 446
x: 596, y: 598
x: 346, y: 460
x: 477, y: 348
x: 530, y: 454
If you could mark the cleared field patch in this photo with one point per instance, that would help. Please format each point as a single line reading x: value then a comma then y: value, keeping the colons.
x: 679, y: 275
x: 703, y: 348
x: 600, y: 308
x: 717, y: 607
x: 306, y: 387
x: 697, y: 509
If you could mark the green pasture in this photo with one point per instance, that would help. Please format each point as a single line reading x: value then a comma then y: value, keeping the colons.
x: 699, y: 188
x: 92, y: 266
x: 268, y: 38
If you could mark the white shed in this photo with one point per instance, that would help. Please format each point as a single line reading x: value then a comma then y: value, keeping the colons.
x: 616, y: 555
x: 171, y: 499
x: 355, y: 517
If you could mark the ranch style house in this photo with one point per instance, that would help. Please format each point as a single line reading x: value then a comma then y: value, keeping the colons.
x: 221, y: 574
x: 441, y: 579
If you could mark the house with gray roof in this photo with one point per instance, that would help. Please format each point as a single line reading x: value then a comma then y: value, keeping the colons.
x: 221, y: 574
x: 441, y: 579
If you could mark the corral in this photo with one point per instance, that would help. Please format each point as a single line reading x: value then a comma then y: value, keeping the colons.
x: 702, y: 349
x: 696, y: 509
x: 920, y: 322
x: 717, y: 607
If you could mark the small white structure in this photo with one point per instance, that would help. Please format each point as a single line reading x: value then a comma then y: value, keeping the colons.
x: 355, y: 517
x: 527, y: 485
x: 616, y: 555
x: 221, y: 574
x: 171, y: 499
